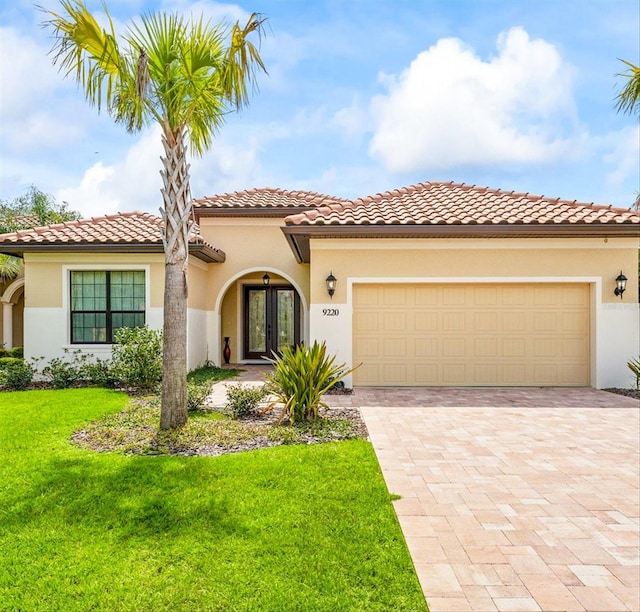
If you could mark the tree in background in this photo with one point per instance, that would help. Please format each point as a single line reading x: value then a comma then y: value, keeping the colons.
x: 33, y: 209
x: 186, y: 77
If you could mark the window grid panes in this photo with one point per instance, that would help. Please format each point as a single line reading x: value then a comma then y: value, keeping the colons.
x: 104, y: 301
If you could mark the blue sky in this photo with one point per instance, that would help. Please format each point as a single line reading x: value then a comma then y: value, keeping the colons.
x: 362, y: 96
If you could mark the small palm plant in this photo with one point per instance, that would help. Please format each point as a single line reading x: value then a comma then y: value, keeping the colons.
x: 301, y: 376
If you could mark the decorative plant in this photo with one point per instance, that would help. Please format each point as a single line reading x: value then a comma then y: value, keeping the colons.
x: 137, y: 357
x: 15, y: 373
x: 634, y: 366
x: 243, y: 400
x: 301, y: 376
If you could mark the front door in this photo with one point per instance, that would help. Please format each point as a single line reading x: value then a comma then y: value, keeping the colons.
x: 271, y: 319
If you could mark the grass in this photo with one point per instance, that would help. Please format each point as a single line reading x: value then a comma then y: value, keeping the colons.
x: 286, y: 528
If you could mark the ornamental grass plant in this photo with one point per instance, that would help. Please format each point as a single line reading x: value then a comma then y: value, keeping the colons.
x: 301, y: 376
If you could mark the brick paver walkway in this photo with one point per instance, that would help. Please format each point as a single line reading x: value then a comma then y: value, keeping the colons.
x: 531, y: 503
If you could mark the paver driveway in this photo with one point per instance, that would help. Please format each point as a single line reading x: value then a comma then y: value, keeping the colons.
x: 513, y: 499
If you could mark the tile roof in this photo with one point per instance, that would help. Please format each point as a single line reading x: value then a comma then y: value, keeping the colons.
x: 264, y: 201
x: 440, y: 203
x: 132, y: 229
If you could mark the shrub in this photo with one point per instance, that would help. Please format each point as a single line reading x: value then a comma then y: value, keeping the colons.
x: 98, y: 373
x: 16, y: 351
x: 63, y: 374
x: 301, y: 377
x: 196, y: 394
x: 16, y: 374
x: 3, y: 352
x: 137, y: 357
x: 243, y: 400
x: 634, y: 366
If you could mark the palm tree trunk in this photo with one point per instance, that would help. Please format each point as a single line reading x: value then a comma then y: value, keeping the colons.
x: 177, y: 225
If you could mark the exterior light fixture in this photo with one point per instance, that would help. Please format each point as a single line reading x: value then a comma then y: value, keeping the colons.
x: 621, y: 284
x: 266, y: 279
x: 331, y: 281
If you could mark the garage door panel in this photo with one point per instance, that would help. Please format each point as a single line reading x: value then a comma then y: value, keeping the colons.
x: 396, y: 347
x: 454, y: 321
x: 454, y: 296
x: 427, y: 347
x: 427, y: 321
x: 521, y: 334
x: 485, y: 321
x: 485, y: 347
x: 395, y: 320
x: 365, y: 322
x: 395, y: 374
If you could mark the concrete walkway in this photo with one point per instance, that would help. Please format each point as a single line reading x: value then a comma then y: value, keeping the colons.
x: 523, y: 499
x: 513, y: 499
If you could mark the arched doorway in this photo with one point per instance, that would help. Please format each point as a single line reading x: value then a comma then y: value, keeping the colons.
x: 261, y: 310
x: 12, y: 301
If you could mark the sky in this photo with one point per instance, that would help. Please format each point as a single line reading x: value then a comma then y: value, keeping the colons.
x: 361, y: 96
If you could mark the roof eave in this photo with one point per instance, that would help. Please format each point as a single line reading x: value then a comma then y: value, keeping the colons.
x: 203, y: 252
x: 281, y: 212
x: 298, y: 236
x: 206, y: 253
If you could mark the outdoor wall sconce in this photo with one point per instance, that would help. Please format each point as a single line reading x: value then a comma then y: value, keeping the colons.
x: 331, y: 281
x: 621, y: 284
x: 266, y: 279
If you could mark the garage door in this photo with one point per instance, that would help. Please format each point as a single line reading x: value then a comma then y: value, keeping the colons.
x: 467, y: 335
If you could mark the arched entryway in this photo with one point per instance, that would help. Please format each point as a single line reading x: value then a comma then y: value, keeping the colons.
x: 12, y: 301
x: 260, y: 312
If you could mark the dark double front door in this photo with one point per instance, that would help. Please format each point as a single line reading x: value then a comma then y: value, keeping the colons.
x: 271, y: 319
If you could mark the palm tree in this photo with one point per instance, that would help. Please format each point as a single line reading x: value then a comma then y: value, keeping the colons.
x: 9, y: 267
x: 186, y: 77
x: 628, y: 100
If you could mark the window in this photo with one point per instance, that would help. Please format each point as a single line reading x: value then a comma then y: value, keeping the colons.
x: 103, y: 301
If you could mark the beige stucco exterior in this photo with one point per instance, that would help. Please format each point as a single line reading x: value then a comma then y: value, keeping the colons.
x: 456, y: 258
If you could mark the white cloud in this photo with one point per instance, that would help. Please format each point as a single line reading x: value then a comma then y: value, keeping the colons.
x: 135, y: 182
x: 451, y: 108
x: 132, y: 184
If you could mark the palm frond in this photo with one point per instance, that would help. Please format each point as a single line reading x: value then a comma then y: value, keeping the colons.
x: 9, y: 267
x: 85, y: 51
x: 628, y: 100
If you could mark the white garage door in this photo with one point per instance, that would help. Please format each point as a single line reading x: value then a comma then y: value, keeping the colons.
x: 468, y: 335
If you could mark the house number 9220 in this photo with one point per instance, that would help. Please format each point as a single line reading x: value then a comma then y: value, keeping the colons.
x: 330, y: 312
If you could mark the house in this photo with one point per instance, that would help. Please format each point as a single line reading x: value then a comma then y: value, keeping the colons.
x: 438, y: 283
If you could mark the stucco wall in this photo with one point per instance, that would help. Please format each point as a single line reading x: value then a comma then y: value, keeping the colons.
x: 615, y: 333
x: 467, y: 258
x: 252, y: 246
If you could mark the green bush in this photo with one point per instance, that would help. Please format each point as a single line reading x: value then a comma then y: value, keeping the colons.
x: 634, y: 366
x: 300, y: 378
x: 15, y: 374
x: 244, y: 400
x: 137, y: 357
x: 16, y: 351
x: 196, y: 394
x: 61, y: 373
x: 3, y: 352
x: 98, y: 373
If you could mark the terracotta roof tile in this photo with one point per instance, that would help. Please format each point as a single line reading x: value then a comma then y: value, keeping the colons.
x: 440, y: 203
x: 265, y: 198
x: 121, y: 229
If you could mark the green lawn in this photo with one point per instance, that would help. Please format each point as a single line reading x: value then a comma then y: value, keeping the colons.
x: 288, y: 528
